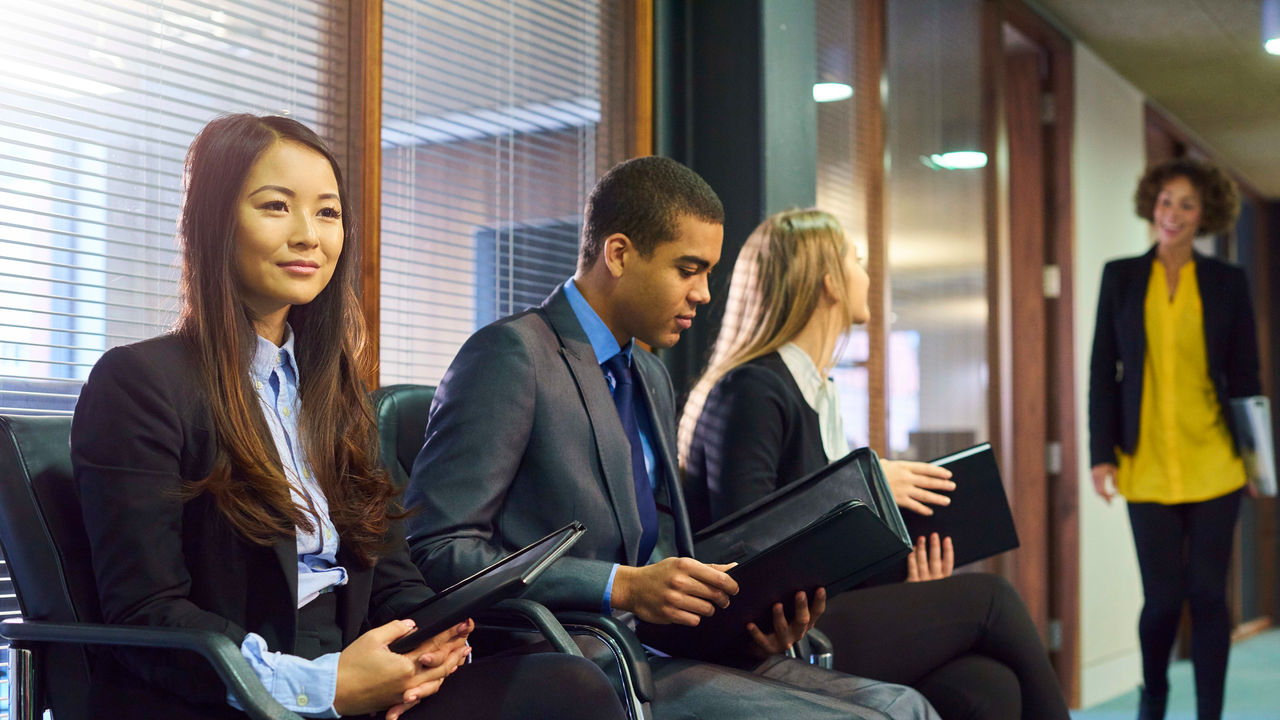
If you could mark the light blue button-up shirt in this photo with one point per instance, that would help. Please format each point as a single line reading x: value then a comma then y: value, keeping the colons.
x: 605, y: 346
x: 304, y: 686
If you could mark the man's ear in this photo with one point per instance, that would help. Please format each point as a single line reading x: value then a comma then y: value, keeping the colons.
x: 615, y: 251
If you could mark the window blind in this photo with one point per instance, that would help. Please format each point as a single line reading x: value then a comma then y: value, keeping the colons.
x: 496, y: 123
x: 98, y: 102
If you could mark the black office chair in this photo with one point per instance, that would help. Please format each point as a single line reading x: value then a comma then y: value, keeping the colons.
x: 42, y: 534
x: 401, y: 412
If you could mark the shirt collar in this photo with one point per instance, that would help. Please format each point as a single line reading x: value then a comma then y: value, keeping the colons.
x: 603, y: 343
x: 810, y: 381
x: 266, y: 356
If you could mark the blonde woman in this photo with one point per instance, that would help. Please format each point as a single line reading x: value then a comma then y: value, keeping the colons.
x: 765, y: 414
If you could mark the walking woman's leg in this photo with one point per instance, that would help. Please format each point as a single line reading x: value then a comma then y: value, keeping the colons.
x: 1210, y: 530
x: 1158, y: 535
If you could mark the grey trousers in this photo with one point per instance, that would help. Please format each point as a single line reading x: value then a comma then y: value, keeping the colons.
x: 781, y: 688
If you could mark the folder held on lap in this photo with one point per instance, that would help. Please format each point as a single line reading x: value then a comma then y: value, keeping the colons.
x: 831, y: 529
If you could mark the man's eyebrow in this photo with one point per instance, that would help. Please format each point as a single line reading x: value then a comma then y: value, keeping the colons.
x: 694, y: 260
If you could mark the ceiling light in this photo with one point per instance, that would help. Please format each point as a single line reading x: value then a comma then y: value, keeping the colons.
x: 956, y: 160
x: 831, y: 92
x: 1271, y: 26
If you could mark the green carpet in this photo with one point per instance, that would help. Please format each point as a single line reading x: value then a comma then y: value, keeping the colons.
x: 1253, y: 687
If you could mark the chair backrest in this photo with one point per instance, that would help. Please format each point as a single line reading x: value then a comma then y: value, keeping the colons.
x: 42, y: 533
x: 401, y: 414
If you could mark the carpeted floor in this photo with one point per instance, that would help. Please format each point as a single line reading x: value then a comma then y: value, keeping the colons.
x: 1253, y: 687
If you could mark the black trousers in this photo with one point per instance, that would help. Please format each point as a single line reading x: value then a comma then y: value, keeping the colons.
x: 1183, y: 552
x: 544, y: 686
x: 965, y: 642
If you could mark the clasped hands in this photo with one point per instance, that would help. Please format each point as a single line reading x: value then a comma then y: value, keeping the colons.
x: 683, y: 591
x: 372, y: 678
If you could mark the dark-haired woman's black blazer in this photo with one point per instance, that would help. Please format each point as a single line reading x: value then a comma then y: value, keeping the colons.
x: 1120, y: 346
x: 142, y: 427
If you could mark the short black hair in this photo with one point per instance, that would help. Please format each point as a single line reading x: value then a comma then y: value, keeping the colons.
x: 1219, y: 195
x: 644, y: 198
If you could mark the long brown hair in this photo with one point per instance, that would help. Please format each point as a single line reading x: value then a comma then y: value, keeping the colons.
x: 775, y: 288
x: 339, y: 436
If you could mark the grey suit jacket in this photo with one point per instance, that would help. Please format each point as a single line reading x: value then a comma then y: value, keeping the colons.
x: 523, y: 437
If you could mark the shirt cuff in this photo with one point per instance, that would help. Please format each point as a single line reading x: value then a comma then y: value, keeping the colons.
x: 607, y: 608
x: 306, y: 687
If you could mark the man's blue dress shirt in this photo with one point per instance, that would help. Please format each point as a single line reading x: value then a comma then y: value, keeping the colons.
x: 605, y: 346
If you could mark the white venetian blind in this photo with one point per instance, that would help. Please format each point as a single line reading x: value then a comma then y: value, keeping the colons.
x: 497, y: 121
x: 98, y: 102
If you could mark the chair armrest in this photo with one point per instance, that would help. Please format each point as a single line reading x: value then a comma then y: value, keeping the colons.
x: 218, y: 649
x: 821, y: 650
x: 623, y: 641
x: 516, y: 609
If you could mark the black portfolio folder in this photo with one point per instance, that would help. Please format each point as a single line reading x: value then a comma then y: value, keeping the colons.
x: 978, y: 520
x: 785, y: 543
x: 506, y: 578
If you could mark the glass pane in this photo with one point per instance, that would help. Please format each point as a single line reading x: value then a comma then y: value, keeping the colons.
x: 937, y: 355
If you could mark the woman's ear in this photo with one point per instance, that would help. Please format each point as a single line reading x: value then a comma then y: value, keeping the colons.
x: 829, y: 291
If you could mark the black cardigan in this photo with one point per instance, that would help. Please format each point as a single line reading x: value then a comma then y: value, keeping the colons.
x: 756, y: 433
x: 1120, y: 345
x: 141, y: 428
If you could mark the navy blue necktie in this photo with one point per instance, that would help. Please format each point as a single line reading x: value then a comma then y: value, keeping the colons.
x: 624, y: 394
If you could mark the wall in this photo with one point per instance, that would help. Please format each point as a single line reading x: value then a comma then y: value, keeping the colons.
x: 1107, y: 157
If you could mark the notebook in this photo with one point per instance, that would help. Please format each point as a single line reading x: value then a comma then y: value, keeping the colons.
x: 505, y: 578
x: 978, y: 520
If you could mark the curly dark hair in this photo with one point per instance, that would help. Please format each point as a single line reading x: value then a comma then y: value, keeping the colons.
x: 1219, y: 196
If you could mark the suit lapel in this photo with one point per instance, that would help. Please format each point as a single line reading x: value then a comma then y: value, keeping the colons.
x: 662, y: 420
x: 613, y: 448
x: 286, y: 552
x: 1212, y: 310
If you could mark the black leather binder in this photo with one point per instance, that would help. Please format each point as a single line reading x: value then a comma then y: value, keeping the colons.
x: 978, y: 519
x: 831, y: 529
x: 506, y: 578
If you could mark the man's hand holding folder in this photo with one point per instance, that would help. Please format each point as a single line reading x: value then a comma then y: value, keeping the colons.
x: 676, y: 590
x: 683, y: 591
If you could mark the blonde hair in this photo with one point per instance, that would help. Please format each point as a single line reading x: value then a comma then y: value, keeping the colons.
x: 776, y: 285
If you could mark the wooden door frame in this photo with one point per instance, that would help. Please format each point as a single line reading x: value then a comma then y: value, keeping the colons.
x: 1054, y: 505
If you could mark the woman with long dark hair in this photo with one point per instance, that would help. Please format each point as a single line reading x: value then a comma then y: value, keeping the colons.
x: 765, y: 414
x: 229, y: 475
x: 1175, y: 340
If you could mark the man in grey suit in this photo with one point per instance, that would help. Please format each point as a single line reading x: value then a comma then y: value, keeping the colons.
x: 557, y: 414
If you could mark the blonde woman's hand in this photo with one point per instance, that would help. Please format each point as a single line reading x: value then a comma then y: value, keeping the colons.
x: 372, y: 678
x: 913, y: 483
x: 932, y: 561
x: 1102, y: 472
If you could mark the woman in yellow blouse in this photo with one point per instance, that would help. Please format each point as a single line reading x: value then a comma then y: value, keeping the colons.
x: 1174, y: 341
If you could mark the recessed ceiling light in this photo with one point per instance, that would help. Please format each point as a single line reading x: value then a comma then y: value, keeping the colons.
x: 1272, y: 46
x: 957, y: 160
x: 831, y: 92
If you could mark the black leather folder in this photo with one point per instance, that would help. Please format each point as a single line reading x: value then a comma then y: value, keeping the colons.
x: 978, y: 520
x: 832, y: 529
x: 505, y: 578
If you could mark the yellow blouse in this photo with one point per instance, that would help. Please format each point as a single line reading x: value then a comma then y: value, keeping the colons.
x: 1184, y: 451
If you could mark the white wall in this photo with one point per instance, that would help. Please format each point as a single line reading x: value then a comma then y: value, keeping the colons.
x: 1108, y: 156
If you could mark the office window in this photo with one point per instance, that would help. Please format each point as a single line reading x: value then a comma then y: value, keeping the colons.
x: 937, y: 262
x: 98, y: 102
x: 840, y: 190
x: 497, y: 120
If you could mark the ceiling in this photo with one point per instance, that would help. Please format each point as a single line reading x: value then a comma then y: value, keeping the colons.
x: 1202, y: 62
